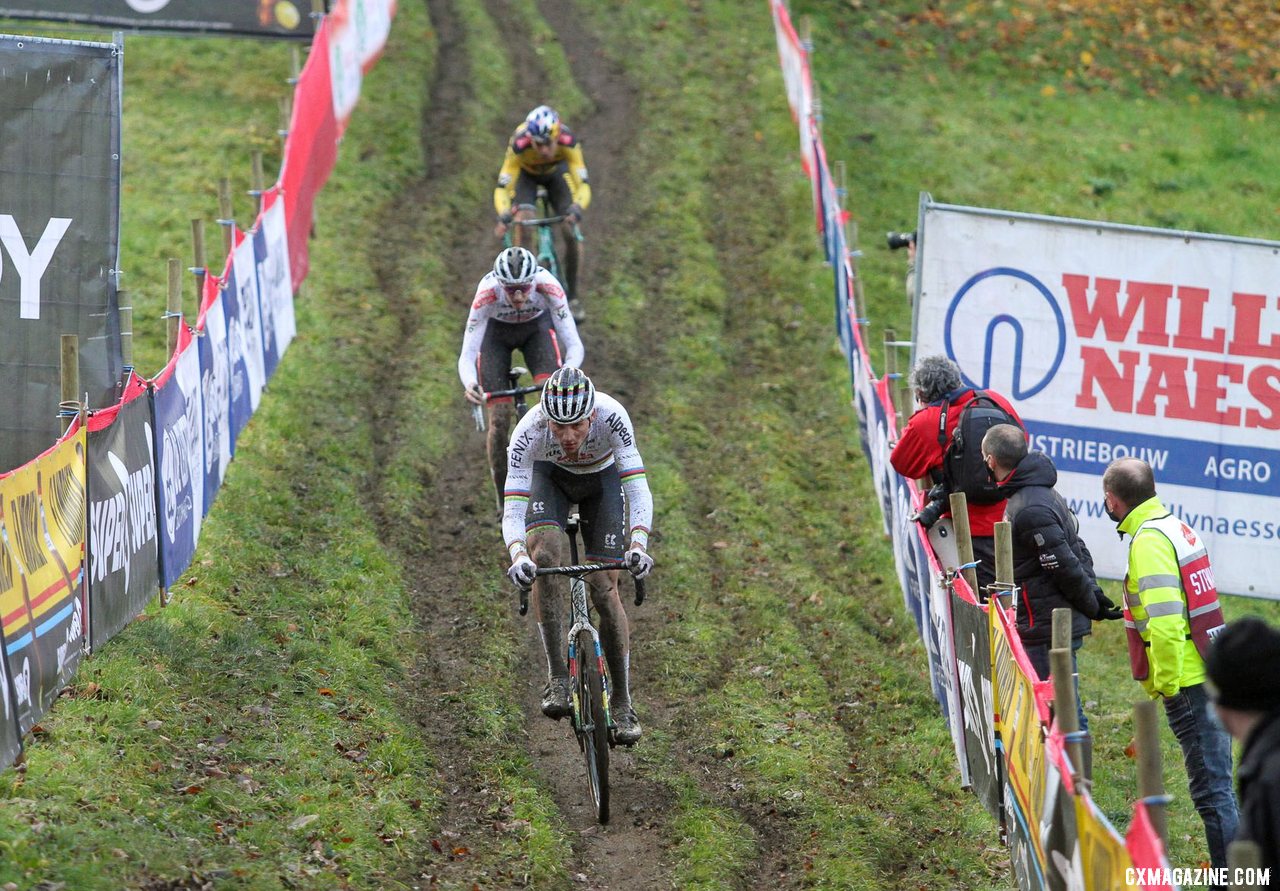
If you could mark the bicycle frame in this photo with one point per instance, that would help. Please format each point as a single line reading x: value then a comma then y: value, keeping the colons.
x: 518, y: 394
x: 545, y: 247
x: 590, y: 706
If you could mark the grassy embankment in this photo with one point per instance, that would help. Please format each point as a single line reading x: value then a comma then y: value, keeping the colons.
x: 251, y: 733
x: 1095, y: 111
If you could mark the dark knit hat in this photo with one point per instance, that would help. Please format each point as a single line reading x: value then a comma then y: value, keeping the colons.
x: 1244, y: 666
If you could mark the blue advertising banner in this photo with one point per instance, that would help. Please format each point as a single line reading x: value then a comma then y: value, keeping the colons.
x: 179, y: 433
x: 215, y: 391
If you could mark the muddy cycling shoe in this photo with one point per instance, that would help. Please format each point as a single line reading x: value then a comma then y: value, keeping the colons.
x: 627, y: 727
x: 555, y: 699
x: 575, y: 307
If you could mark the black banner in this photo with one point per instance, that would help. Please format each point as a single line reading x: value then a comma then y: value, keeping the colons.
x: 1058, y: 832
x: 59, y: 231
x: 10, y: 733
x: 123, y: 568
x: 264, y: 18
x: 973, y: 665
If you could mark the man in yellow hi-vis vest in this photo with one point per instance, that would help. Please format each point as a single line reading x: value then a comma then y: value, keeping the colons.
x: 1171, y: 613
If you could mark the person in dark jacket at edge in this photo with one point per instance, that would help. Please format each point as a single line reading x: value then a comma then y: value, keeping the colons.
x: 1244, y: 686
x: 1052, y: 565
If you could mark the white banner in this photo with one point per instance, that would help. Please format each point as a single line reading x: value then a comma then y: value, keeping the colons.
x: 794, y: 59
x: 1117, y: 341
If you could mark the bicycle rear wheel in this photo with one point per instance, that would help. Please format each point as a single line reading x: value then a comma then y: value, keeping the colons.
x: 593, y: 729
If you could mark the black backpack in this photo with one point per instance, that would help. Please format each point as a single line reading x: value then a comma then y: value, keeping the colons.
x: 962, y: 464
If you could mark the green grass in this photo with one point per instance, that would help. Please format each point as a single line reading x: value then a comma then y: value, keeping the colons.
x: 901, y: 92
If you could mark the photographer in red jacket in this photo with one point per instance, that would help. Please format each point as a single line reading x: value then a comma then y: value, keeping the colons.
x: 918, y: 455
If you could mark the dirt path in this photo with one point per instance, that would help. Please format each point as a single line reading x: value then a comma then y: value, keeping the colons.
x: 630, y: 851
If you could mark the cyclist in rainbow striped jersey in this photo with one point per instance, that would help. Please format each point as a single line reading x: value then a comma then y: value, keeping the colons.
x: 578, y: 447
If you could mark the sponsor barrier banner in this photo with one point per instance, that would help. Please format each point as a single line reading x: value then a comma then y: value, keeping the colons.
x: 1142, y: 847
x: 261, y: 18
x: 10, y: 733
x: 59, y: 231
x: 309, y: 153
x: 1058, y: 821
x: 215, y: 388
x: 179, y: 432
x: 973, y: 660
x: 123, y: 562
x: 1116, y: 341
x: 1102, y: 852
x: 42, y: 511
x: 794, y: 57
x: 1019, y: 717
x: 271, y: 253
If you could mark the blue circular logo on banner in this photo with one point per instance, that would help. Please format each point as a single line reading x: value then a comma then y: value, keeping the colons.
x: 1045, y: 339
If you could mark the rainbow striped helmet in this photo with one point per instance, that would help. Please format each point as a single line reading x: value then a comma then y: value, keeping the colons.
x: 568, y: 395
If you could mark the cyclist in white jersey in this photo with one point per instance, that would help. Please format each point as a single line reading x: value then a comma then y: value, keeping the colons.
x: 517, y: 306
x: 578, y: 447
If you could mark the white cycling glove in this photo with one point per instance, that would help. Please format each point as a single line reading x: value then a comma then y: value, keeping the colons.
x: 639, y: 563
x: 523, y: 571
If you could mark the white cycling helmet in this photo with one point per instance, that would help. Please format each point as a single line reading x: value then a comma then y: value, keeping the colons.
x: 515, y: 266
x: 543, y: 124
x: 568, y: 396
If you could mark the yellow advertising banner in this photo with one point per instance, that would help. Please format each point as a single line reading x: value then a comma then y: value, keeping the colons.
x: 42, y: 517
x: 1102, y: 852
x: 1018, y: 723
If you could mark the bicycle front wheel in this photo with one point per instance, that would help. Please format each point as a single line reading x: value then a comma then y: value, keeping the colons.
x: 593, y: 723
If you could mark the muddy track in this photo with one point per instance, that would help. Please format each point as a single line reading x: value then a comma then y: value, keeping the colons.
x: 455, y: 501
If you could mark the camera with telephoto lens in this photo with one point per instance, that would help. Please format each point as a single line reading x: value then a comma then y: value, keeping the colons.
x: 898, y: 240
x: 937, y: 502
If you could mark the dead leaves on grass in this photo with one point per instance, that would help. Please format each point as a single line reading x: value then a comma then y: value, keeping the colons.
x: 1227, y: 47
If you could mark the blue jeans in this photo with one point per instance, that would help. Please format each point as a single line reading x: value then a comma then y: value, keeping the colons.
x: 1038, y: 654
x: 1206, y: 749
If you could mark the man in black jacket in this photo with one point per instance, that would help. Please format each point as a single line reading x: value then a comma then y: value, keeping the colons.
x: 1051, y: 564
x: 1245, y: 689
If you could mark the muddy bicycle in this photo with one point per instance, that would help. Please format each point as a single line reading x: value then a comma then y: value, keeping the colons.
x: 544, y: 247
x: 589, y: 686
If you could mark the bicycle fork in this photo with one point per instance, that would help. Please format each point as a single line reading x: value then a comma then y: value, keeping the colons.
x: 578, y: 596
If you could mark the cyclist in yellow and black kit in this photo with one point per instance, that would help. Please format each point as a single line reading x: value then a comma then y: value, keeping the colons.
x: 543, y: 152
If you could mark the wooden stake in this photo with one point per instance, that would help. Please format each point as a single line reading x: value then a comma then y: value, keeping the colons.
x: 174, y: 305
x: 1150, y: 772
x: 964, y: 540
x: 1004, y: 562
x: 225, y: 215
x: 257, y: 180
x: 1246, y: 855
x: 1064, y: 705
x: 70, y: 377
x: 197, y: 252
x: 891, y: 369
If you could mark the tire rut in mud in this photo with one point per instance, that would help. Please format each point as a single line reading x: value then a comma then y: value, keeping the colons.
x: 455, y: 501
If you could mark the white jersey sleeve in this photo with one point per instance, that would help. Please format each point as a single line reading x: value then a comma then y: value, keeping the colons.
x: 515, y: 496
x: 635, y: 485
x: 482, y: 307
